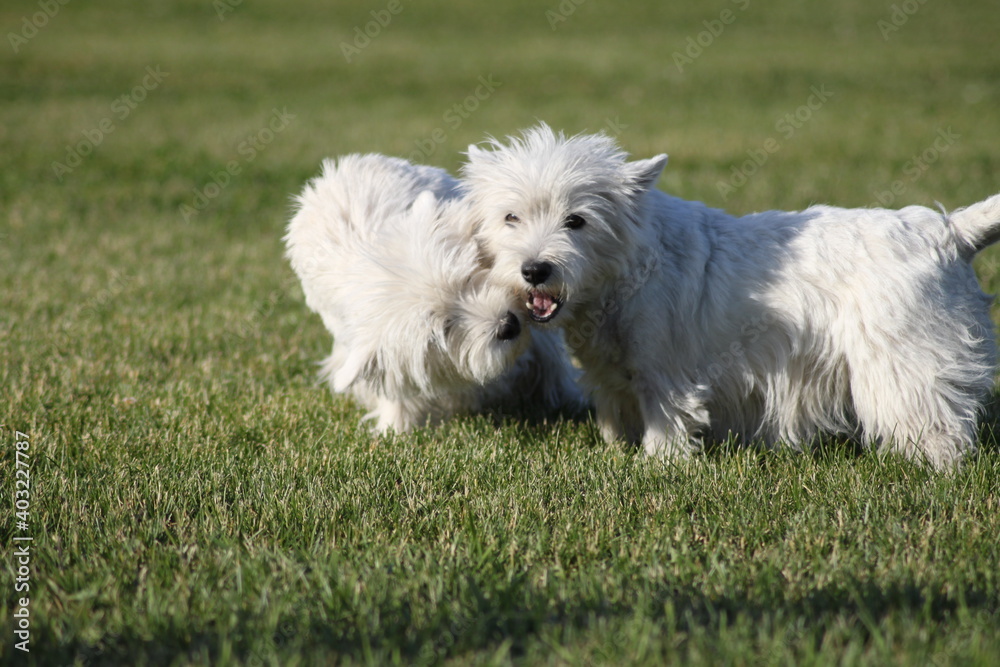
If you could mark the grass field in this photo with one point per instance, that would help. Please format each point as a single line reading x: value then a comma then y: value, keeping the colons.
x: 197, y: 498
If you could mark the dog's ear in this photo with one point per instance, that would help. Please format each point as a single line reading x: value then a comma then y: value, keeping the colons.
x: 424, y: 207
x: 644, y: 174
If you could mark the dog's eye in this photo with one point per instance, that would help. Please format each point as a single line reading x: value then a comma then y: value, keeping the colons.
x: 511, y: 218
x: 575, y: 221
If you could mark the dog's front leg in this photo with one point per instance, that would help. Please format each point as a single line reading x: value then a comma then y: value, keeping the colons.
x: 669, y: 425
x: 618, y: 416
x: 658, y: 442
x: 397, y: 415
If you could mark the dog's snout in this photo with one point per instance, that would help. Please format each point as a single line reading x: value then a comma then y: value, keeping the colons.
x: 536, y: 273
x: 510, y: 327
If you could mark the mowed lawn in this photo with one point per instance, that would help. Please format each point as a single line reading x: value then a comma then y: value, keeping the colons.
x: 195, y: 496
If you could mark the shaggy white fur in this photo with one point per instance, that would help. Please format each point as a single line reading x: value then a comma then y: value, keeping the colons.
x: 777, y: 326
x: 385, y: 256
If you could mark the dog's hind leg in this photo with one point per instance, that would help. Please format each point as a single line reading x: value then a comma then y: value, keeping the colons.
x: 917, y: 412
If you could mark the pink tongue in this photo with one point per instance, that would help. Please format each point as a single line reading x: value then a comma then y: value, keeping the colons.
x: 541, y: 303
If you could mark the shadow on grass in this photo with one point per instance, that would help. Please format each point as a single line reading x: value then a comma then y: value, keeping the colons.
x: 514, y: 615
x: 826, y: 447
x: 517, y: 615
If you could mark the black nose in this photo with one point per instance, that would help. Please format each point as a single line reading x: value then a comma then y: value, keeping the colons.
x: 510, y: 327
x: 536, y: 273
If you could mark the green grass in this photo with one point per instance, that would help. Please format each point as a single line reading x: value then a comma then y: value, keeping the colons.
x: 197, y: 498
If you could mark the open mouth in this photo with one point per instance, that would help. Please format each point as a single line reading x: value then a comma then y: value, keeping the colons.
x: 542, y: 307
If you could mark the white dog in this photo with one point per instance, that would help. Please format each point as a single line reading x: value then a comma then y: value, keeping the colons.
x: 385, y: 256
x: 776, y: 326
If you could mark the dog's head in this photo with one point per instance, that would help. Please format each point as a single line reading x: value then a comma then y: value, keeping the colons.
x: 424, y: 319
x: 557, y: 215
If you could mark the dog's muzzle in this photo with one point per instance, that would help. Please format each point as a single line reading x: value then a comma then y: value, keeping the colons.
x: 542, y: 306
x: 510, y: 327
x: 536, y: 272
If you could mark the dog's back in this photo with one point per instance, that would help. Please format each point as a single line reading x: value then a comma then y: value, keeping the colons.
x: 353, y: 195
x: 337, y: 236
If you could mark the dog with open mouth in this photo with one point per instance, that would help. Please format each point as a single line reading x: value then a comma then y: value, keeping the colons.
x: 771, y: 327
x: 385, y: 255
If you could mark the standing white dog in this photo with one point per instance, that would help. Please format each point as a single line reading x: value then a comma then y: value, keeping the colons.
x: 385, y: 256
x: 775, y: 326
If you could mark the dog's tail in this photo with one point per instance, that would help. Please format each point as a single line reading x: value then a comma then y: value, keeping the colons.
x: 976, y: 226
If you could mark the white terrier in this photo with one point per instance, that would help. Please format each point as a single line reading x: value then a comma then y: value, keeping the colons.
x: 777, y: 326
x: 385, y: 256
